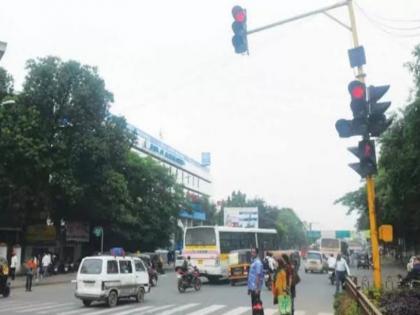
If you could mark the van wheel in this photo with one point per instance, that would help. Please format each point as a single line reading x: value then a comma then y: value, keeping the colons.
x: 140, y: 295
x: 112, y: 299
x: 87, y: 303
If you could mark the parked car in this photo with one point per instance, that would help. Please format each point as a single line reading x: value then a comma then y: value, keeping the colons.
x: 314, y: 262
x: 110, y: 278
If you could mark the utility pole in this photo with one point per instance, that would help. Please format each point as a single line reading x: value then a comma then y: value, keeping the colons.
x: 360, y: 77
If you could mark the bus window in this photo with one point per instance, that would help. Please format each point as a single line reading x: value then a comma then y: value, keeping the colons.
x: 200, y: 236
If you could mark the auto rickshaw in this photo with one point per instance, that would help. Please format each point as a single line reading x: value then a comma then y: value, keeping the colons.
x: 4, y: 274
x: 239, y: 263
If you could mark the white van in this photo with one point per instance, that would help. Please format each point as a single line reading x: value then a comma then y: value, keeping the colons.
x: 109, y: 278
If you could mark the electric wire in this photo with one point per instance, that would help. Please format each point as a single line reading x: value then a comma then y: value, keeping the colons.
x: 386, y: 28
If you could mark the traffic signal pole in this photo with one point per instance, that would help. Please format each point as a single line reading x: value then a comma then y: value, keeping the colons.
x: 370, y: 183
x: 361, y: 77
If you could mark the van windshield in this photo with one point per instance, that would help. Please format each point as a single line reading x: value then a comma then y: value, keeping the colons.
x: 91, y: 267
x: 314, y: 256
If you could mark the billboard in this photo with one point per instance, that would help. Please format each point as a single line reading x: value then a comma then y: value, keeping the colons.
x: 241, y: 217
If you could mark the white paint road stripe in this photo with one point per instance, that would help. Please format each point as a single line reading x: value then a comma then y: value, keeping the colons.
x: 238, y: 311
x: 61, y: 309
x: 37, y: 308
x: 155, y: 309
x: 135, y: 310
x: 300, y: 312
x: 80, y: 310
x: 270, y: 311
x: 15, y: 308
x: 178, y: 309
x: 110, y: 310
x: 208, y: 310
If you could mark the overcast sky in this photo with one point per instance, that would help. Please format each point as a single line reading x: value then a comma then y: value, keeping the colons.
x: 267, y: 118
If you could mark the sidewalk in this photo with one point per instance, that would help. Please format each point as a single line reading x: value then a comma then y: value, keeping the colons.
x: 20, y: 281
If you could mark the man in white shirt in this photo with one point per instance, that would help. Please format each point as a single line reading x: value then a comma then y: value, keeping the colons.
x: 46, y: 261
x: 13, y: 265
x: 341, y: 271
x: 331, y: 262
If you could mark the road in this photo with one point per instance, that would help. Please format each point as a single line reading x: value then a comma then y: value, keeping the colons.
x: 315, y: 297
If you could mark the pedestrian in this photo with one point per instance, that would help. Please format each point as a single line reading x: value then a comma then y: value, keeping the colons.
x: 255, y: 282
x: 30, y: 268
x: 46, y: 261
x: 341, y: 271
x: 13, y: 265
x: 294, y: 278
x: 281, y: 288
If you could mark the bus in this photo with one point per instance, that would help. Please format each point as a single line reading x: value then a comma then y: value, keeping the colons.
x: 329, y: 246
x: 209, y: 246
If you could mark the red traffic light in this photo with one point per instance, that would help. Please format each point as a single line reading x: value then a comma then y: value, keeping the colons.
x: 239, y: 14
x: 368, y: 150
x: 357, y: 90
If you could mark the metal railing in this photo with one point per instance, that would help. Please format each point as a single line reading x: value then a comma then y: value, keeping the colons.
x: 362, y: 300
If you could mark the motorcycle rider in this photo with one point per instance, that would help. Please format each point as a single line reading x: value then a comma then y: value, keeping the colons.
x: 188, y: 269
x: 414, y: 274
x: 331, y: 264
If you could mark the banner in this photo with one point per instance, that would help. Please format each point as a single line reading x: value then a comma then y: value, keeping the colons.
x: 77, y: 231
x: 241, y: 217
x: 40, y: 232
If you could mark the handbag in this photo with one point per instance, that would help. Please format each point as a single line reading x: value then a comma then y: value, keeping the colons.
x: 284, y: 304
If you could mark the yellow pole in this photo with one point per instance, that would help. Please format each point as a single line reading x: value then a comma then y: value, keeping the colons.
x: 377, y: 278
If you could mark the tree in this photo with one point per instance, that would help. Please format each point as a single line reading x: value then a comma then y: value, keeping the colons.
x: 6, y: 84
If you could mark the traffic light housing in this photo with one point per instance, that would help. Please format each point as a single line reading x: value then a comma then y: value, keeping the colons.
x: 239, y: 39
x: 359, y: 106
x: 365, y: 151
x: 378, y: 122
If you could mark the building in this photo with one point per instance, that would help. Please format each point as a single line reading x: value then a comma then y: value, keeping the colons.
x: 192, y: 175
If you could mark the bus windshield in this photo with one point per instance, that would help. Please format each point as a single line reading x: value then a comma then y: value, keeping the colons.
x: 200, y: 236
x: 332, y: 243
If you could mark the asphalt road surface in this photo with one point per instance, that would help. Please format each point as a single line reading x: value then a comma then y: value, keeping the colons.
x: 314, y: 297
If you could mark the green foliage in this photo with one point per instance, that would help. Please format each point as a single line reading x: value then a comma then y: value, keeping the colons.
x: 6, y: 84
x: 398, y: 179
x: 288, y: 225
x: 357, y: 201
x: 345, y: 305
x: 64, y: 155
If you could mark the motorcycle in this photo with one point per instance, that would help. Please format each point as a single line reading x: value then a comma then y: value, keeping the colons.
x: 408, y: 284
x: 268, y: 279
x: 331, y: 275
x: 363, y: 262
x: 189, y: 280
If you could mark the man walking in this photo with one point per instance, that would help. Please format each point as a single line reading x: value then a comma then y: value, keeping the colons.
x: 255, y: 282
x: 13, y: 266
x: 30, y: 267
x: 341, y: 271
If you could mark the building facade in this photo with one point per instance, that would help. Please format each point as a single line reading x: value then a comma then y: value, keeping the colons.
x: 192, y: 175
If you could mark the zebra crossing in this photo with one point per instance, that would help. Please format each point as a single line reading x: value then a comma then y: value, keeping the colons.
x: 75, y: 308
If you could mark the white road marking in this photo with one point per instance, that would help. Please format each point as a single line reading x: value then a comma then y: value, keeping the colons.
x: 270, y: 311
x: 61, y: 308
x: 238, y: 310
x: 158, y: 309
x: 208, y: 310
x: 81, y: 309
x: 300, y: 312
x: 110, y: 310
x: 41, y: 308
x: 15, y: 308
x: 178, y: 309
x: 135, y: 310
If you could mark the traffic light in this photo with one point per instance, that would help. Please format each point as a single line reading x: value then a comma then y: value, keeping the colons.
x: 378, y: 122
x: 239, y: 40
x: 359, y: 104
x: 365, y: 151
x: 359, y: 107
